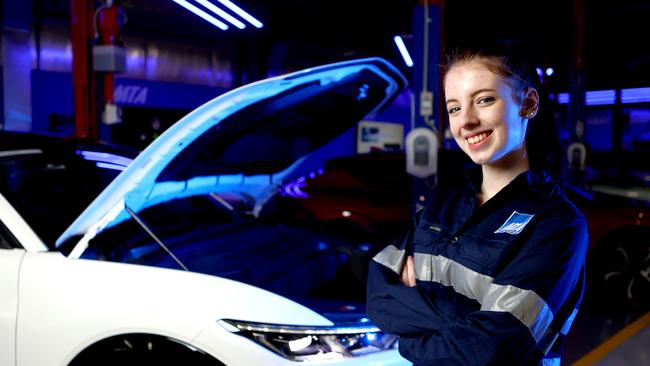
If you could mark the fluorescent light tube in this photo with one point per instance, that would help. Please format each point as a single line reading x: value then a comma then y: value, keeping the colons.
x: 402, y: 49
x: 202, y: 14
x: 210, y: 6
x: 239, y: 11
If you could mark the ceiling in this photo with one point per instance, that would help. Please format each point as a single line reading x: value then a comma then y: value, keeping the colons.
x: 305, y: 33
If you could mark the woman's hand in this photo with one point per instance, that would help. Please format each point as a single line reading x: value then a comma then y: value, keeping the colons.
x: 408, y: 272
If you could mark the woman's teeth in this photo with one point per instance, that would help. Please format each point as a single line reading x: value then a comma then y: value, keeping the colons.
x: 478, y: 138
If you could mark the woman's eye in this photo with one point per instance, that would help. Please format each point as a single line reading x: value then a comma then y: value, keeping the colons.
x: 453, y: 110
x: 485, y: 100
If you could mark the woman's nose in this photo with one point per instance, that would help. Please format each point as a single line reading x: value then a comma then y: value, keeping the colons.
x: 468, y: 118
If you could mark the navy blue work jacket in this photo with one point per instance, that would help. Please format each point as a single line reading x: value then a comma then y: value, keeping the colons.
x: 497, y: 284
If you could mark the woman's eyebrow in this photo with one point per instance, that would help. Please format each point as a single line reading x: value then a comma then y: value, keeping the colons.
x: 472, y: 95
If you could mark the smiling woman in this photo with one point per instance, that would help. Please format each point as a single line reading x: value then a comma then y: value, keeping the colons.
x: 492, y: 272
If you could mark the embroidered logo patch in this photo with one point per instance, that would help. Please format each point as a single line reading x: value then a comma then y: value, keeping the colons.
x: 515, y: 223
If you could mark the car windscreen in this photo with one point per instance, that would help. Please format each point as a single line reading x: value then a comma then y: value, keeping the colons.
x: 51, y: 188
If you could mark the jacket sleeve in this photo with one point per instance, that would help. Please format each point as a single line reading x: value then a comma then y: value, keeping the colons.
x: 517, y: 306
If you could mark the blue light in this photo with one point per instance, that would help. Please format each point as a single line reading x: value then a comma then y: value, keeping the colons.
x: 539, y: 71
x: 563, y: 98
x: 202, y: 14
x: 371, y: 336
x: 104, y: 157
x: 294, y: 189
x: 608, y: 97
x: 110, y: 166
x: 364, y: 247
x: 402, y: 49
x: 239, y: 11
x: 363, y: 92
x: 635, y: 95
x: 222, y: 14
x: 549, y: 71
x: 322, y: 246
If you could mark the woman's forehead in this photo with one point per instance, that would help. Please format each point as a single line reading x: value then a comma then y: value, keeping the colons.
x: 473, y: 75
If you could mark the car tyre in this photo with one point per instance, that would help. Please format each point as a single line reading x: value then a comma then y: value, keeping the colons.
x: 619, y: 269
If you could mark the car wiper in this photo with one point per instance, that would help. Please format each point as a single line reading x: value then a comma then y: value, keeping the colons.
x: 155, y: 238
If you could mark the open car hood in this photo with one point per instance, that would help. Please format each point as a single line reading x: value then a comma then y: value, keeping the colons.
x: 251, y: 139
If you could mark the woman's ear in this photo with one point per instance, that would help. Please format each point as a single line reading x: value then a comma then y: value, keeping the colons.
x: 530, y: 103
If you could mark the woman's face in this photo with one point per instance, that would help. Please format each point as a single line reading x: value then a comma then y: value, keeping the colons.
x: 484, y: 114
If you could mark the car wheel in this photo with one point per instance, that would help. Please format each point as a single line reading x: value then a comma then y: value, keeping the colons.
x: 142, y: 349
x: 620, y: 268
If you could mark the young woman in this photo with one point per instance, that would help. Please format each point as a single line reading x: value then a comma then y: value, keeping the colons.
x: 491, y: 273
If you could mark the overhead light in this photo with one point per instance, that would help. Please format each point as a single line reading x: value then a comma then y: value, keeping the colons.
x: 239, y: 11
x: 608, y: 97
x: 210, y: 6
x: 219, y: 24
x: 402, y: 49
x: 549, y: 71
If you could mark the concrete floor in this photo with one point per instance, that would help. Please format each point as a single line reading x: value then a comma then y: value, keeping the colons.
x: 609, y: 335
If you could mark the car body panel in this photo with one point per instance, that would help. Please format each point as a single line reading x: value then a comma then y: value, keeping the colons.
x: 59, y: 323
x: 9, y: 268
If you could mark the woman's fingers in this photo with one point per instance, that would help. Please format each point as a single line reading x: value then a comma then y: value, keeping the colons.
x: 408, y: 272
x: 410, y: 263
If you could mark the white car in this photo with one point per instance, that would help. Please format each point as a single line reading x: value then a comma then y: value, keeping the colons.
x: 196, y: 254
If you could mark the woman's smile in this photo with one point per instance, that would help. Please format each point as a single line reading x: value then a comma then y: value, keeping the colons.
x: 477, y: 140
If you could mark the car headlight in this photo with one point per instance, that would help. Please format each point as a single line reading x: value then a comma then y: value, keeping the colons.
x: 306, y: 343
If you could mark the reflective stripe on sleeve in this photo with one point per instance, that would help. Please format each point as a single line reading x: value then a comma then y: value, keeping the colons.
x: 524, y: 305
x: 392, y: 258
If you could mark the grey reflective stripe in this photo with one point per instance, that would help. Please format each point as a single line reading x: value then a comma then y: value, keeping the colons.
x: 569, y: 322
x: 392, y: 258
x: 551, y: 361
x: 524, y: 305
x: 544, y: 345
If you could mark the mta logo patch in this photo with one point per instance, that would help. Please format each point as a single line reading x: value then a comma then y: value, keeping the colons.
x: 515, y: 223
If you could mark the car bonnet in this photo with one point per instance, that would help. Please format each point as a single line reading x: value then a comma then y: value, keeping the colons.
x: 251, y: 138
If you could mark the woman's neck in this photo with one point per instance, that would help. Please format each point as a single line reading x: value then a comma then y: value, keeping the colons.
x: 499, y: 174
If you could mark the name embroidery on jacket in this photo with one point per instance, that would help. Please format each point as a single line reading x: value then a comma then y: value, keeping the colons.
x: 515, y: 223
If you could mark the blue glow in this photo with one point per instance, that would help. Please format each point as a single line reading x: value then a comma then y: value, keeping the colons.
x: 239, y: 11
x: 222, y: 13
x: 322, y: 246
x: 110, y: 166
x: 563, y: 98
x: 294, y: 189
x: 539, y: 71
x: 364, y: 247
x: 202, y: 14
x: 635, y: 95
x: 363, y: 92
x: 371, y: 336
x: 608, y: 97
x: 549, y: 71
x: 364, y: 320
x: 104, y: 158
x: 402, y: 50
